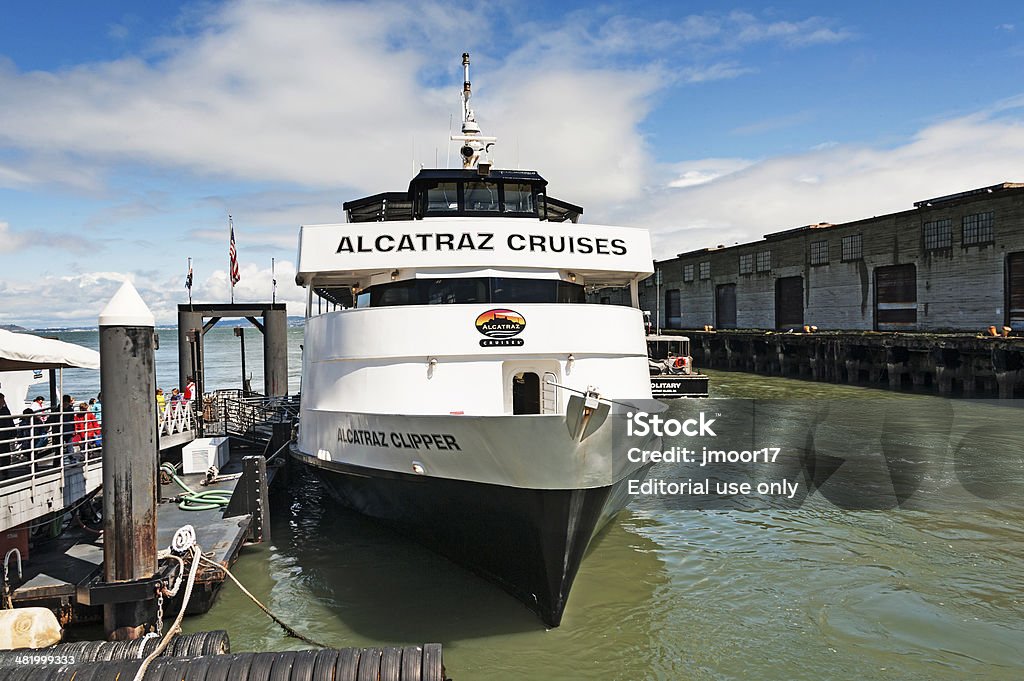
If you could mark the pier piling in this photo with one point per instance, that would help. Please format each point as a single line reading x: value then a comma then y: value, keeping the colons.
x: 130, y: 459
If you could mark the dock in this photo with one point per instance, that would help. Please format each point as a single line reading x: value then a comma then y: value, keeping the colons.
x: 64, y: 572
x: 967, y: 365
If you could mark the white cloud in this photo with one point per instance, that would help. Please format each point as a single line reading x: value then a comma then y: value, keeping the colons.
x: 73, y: 300
x: 812, y: 31
x: 694, y: 173
x: 836, y: 183
x: 9, y: 241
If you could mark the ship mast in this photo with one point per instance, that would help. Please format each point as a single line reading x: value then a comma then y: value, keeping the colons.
x: 476, y: 148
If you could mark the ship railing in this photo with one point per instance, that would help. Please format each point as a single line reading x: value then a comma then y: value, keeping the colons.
x: 45, y: 454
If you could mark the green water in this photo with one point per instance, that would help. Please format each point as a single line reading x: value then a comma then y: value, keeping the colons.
x: 668, y: 593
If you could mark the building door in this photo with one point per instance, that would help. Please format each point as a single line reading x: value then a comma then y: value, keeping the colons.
x: 789, y: 303
x: 1015, y: 290
x: 896, y: 298
x: 526, y: 393
x: 673, y: 310
x: 725, y: 306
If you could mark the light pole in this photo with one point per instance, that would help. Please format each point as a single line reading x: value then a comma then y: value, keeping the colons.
x: 657, y: 296
x: 240, y: 332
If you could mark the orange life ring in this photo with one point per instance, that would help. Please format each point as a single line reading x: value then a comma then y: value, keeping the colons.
x: 679, y: 363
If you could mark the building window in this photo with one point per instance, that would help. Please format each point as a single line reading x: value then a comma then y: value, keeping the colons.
x: 852, y: 248
x: 747, y: 263
x: 705, y: 270
x: 649, y: 281
x: 938, y: 234
x: 978, y: 229
x: 687, y: 272
x: 764, y: 261
x: 819, y: 252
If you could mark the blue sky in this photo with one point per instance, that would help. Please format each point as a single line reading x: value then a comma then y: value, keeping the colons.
x: 129, y: 131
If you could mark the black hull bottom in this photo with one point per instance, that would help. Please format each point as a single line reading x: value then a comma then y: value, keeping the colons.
x: 529, y: 542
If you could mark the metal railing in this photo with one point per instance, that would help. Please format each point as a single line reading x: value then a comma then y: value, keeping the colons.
x: 45, y: 440
x: 248, y: 416
x: 43, y: 443
x: 176, y: 417
x: 48, y: 461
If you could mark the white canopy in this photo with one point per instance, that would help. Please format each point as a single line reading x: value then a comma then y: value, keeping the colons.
x: 24, y: 351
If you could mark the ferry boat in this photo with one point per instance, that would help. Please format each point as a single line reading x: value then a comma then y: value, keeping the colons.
x: 673, y: 375
x: 455, y: 382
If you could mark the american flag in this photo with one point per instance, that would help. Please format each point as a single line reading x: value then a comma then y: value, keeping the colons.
x: 233, y: 255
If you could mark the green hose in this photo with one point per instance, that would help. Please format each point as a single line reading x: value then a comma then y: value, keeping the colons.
x: 207, y: 500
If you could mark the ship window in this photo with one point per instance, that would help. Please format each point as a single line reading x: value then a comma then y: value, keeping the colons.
x: 448, y: 291
x: 526, y: 393
x: 443, y: 197
x: 518, y: 198
x: 481, y: 196
x: 398, y: 293
x: 464, y: 290
x: 512, y: 290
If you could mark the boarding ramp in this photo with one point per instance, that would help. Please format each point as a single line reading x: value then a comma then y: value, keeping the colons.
x: 247, y: 416
x: 177, y: 424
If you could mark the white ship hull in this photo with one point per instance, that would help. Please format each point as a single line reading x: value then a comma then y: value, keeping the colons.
x: 512, y: 498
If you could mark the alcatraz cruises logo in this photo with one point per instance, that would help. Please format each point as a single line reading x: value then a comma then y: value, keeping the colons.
x: 500, y: 326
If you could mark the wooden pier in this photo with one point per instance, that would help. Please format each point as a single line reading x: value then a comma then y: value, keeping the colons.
x: 64, y: 574
x: 967, y: 365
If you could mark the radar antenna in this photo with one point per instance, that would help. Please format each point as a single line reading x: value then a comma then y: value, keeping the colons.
x: 476, y: 148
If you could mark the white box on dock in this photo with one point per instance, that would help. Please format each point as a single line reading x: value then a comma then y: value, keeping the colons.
x: 200, y: 454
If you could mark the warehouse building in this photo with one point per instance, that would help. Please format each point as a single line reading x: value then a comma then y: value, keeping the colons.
x: 953, y: 263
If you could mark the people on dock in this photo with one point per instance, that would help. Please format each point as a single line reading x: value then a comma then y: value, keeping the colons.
x: 190, y: 389
x: 67, y: 425
x: 40, y: 430
x: 161, y: 401
x: 87, y: 429
x: 96, y: 407
x: 7, y: 432
x: 25, y: 428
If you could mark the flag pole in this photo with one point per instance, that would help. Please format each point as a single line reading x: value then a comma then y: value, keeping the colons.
x: 273, y: 282
x: 188, y: 281
x: 231, y: 257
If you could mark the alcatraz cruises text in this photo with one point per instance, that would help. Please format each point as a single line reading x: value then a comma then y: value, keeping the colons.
x: 481, y: 241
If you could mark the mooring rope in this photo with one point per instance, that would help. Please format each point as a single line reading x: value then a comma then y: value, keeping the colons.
x: 288, y: 629
x: 176, y: 627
